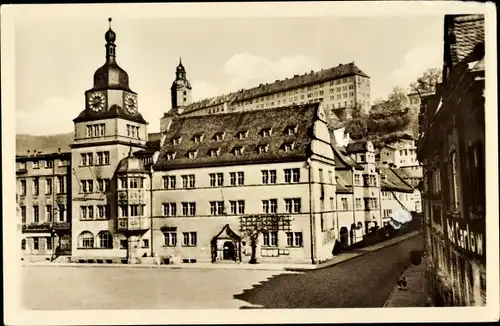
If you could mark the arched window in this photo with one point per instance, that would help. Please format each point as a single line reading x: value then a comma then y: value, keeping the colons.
x: 105, y: 240
x: 86, y: 240
x: 23, y: 244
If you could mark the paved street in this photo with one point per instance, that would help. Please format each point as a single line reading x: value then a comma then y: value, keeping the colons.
x: 361, y: 282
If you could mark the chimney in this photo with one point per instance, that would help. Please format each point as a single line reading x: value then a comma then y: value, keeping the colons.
x: 59, y: 150
x: 28, y: 152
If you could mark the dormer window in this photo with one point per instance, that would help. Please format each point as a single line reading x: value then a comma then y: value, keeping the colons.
x: 214, y: 152
x: 266, y: 132
x: 242, y: 134
x: 170, y: 155
x: 198, y: 138
x: 291, y: 130
x: 176, y: 140
x: 219, y: 136
x: 288, y: 146
x: 238, y: 150
x: 263, y: 148
x: 192, y: 154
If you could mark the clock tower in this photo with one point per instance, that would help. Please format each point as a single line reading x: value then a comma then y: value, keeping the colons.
x: 109, y: 129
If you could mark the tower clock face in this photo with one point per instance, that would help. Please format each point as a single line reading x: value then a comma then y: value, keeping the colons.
x: 131, y: 104
x: 96, y: 102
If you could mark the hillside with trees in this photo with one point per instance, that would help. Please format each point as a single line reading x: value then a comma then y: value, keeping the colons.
x: 392, y: 118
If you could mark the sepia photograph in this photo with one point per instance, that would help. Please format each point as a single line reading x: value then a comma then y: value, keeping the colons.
x: 250, y: 162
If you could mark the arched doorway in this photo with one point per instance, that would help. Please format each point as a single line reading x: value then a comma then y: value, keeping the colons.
x: 228, y: 251
x: 226, y: 246
x: 344, y: 237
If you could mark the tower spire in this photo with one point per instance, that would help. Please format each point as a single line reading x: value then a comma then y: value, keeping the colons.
x: 110, y: 38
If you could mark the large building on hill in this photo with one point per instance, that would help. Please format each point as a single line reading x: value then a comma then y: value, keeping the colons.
x: 339, y: 88
x: 452, y: 149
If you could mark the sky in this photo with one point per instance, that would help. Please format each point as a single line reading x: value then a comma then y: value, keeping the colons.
x: 56, y: 57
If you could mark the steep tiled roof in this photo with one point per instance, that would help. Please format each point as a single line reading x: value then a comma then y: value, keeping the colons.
x: 406, y: 172
x: 52, y: 143
x: 342, y: 160
x: 391, y: 180
x: 280, y: 85
x: 250, y: 122
x: 344, y: 177
x: 342, y: 186
x: 466, y: 32
x: 356, y: 147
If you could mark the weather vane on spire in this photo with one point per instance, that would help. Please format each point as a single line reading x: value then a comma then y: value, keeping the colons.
x: 109, y: 20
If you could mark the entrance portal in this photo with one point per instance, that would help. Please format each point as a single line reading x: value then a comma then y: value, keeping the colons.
x: 226, y: 246
x: 344, y: 237
x: 228, y: 252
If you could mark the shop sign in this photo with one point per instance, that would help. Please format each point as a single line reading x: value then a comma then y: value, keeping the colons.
x: 462, y: 236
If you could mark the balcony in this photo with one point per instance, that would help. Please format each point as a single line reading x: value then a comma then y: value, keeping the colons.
x: 134, y: 224
x: 35, y: 227
x: 21, y: 171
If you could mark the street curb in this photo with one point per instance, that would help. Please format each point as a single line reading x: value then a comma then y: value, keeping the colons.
x: 194, y: 267
x: 298, y: 269
x: 394, y: 289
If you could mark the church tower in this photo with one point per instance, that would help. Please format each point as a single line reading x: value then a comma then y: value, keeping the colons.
x: 108, y: 130
x: 180, y: 90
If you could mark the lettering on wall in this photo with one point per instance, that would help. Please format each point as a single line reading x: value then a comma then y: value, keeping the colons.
x: 465, y: 238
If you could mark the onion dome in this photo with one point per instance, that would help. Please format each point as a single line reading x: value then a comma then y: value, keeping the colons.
x: 110, y: 75
x: 181, y: 80
x: 130, y: 164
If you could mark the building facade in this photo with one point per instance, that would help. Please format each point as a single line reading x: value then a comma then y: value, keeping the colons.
x: 451, y: 148
x: 43, y: 192
x: 246, y: 185
x: 339, y: 88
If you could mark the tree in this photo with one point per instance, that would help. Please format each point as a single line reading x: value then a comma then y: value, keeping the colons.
x: 427, y: 82
x: 253, y: 225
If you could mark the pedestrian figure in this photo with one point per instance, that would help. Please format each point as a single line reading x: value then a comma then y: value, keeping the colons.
x: 403, y: 284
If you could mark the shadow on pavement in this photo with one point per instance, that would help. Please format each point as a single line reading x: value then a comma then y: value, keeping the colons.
x: 362, y: 282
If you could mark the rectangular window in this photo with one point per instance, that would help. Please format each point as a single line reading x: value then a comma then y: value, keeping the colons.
x: 216, y: 208
x: 102, y: 211
x: 188, y: 209
x: 216, y: 179
x: 134, y: 183
x: 321, y: 175
x: 48, y: 213
x: 292, y: 175
x: 23, y: 187
x: 358, y: 203
x: 36, y: 164
x: 36, y: 188
x: 23, y: 214
x: 135, y: 210
x: 99, y: 158
x: 61, y: 212
x: 61, y: 184
x: 357, y: 179
x: 123, y: 182
x: 88, y: 132
x: 236, y: 178
x: 270, y: 239
x: 170, y: 209
x: 189, y: 239
x: 344, y: 203
x: 49, y: 164
x: 237, y: 206
x: 35, y: 243
x: 170, y: 239
x: 48, y: 186
x: 294, y: 239
x: 102, y: 185
x: 454, y: 181
x: 188, y: 181
x: 292, y: 205
x: 169, y: 182
x: 330, y: 177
